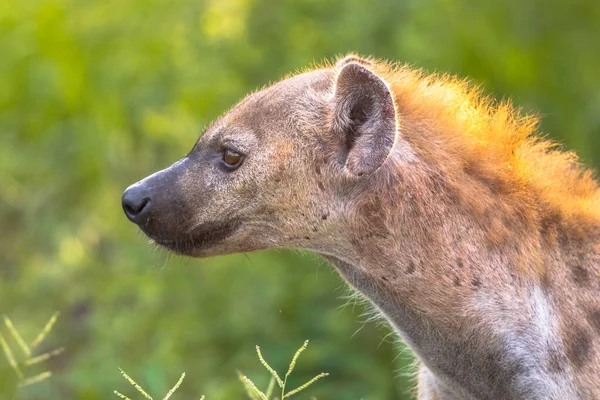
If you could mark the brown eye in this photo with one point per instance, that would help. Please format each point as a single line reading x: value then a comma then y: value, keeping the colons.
x: 232, y: 158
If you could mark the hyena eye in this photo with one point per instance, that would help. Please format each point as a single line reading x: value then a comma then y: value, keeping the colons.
x: 232, y: 159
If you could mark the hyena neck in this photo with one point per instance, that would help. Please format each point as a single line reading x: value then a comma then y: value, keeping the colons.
x: 455, y: 282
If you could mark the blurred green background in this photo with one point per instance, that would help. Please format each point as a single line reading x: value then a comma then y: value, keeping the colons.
x: 97, y: 94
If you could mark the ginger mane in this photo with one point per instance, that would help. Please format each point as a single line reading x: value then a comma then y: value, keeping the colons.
x: 492, y: 137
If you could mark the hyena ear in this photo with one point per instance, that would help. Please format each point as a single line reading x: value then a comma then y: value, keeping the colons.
x: 364, y: 117
x: 350, y: 59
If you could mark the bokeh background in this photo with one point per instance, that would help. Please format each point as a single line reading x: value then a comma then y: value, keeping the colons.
x: 97, y: 94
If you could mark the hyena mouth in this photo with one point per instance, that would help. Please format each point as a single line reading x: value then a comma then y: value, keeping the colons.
x: 201, y: 237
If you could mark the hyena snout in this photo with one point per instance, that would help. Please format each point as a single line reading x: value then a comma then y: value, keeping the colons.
x: 153, y: 197
x: 136, y: 203
x: 176, y: 209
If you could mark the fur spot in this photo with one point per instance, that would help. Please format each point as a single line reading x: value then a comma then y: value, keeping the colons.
x: 307, y: 237
x: 549, y: 223
x: 324, y: 216
x: 545, y: 281
x: 320, y: 186
x: 594, y: 319
x: 459, y: 263
x: 580, y: 275
x: 457, y: 281
x: 579, y: 347
x: 372, y: 212
x: 487, y: 218
x: 279, y: 174
x: 411, y: 268
x: 476, y: 282
x: 556, y: 361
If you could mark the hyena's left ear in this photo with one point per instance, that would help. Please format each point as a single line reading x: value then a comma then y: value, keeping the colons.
x: 364, y: 118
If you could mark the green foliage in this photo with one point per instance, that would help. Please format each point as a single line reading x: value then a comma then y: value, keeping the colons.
x: 20, y: 364
x: 251, y: 390
x: 96, y: 94
x: 256, y: 394
x: 144, y: 393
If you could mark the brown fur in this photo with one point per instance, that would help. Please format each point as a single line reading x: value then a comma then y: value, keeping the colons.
x: 479, y: 144
x: 491, y: 142
x: 478, y: 239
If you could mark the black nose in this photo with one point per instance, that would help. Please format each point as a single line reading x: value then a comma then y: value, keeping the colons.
x: 136, y: 204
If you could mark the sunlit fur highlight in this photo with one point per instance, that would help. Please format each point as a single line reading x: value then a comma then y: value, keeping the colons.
x: 474, y: 130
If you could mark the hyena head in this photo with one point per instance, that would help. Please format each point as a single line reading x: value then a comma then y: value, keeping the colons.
x: 281, y: 169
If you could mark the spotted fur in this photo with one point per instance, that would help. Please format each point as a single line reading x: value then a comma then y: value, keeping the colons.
x: 478, y: 239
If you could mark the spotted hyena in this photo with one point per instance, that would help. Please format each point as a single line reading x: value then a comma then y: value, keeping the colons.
x: 479, y: 241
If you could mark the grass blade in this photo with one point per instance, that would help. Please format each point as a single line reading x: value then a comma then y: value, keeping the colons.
x: 121, y: 395
x: 174, y: 387
x: 17, y: 336
x: 295, y: 358
x: 42, y: 335
x: 43, y: 357
x: 307, y: 384
x: 36, y: 379
x: 268, y: 367
x: 270, y: 388
x: 134, y: 384
x: 10, y: 357
x: 249, y: 390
